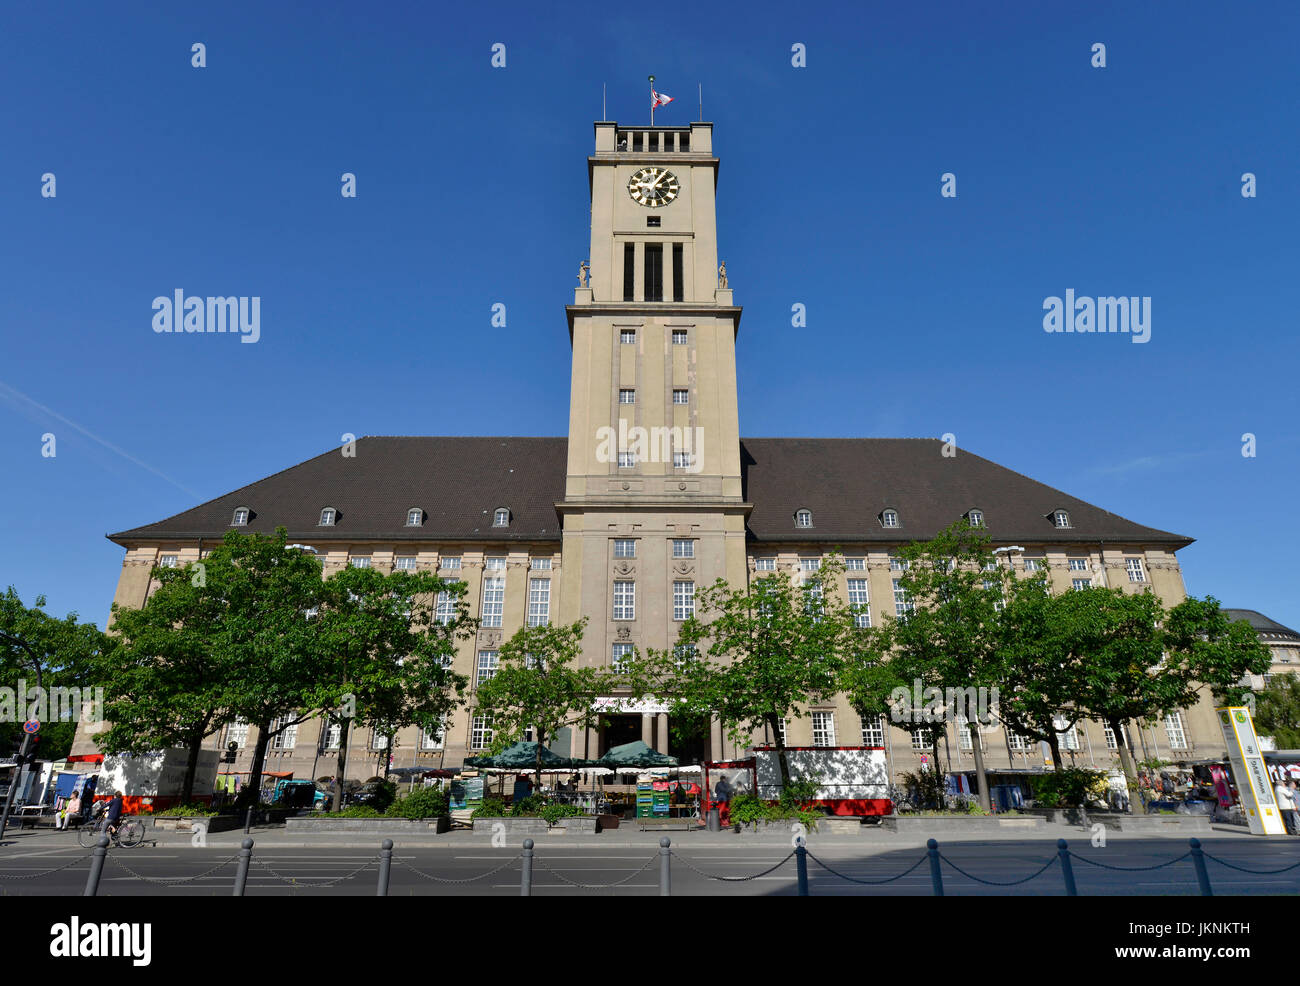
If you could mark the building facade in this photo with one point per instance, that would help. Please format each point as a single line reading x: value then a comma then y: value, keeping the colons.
x: 653, y: 493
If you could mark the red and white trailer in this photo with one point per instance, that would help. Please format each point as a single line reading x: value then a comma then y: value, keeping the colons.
x: 851, y: 780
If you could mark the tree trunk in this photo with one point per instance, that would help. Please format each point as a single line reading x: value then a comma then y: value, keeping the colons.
x: 781, y: 760
x: 1125, y: 755
x: 939, y: 786
x: 1054, y: 744
x: 191, y: 765
x: 251, y: 794
x: 344, y: 729
x: 981, y: 778
x: 537, y: 772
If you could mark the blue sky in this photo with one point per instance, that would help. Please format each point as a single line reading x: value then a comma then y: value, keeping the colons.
x: 924, y: 313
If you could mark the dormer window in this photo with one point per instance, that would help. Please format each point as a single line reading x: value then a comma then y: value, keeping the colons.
x: 414, y: 517
x: 803, y: 518
x: 327, y: 517
x: 240, y: 518
x: 501, y: 517
x: 889, y: 518
x: 1060, y: 518
x: 975, y: 518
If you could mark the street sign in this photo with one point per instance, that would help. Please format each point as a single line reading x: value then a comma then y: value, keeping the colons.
x: 31, y: 726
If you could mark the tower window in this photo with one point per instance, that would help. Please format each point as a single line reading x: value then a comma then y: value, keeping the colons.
x: 684, y: 142
x: 654, y: 142
x: 652, y: 220
x: 679, y: 286
x: 627, y: 337
x: 629, y: 271
x: 681, y: 397
x: 627, y: 396
x: 654, y: 272
x: 637, y: 142
x: 679, y: 337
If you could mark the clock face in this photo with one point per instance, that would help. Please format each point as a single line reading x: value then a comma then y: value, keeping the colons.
x: 653, y: 187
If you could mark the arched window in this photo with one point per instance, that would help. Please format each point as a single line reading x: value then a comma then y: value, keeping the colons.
x: 414, y: 517
x: 240, y: 518
x: 975, y: 518
x: 1061, y: 518
x: 803, y: 518
x: 327, y: 517
x: 889, y: 517
x: 501, y: 517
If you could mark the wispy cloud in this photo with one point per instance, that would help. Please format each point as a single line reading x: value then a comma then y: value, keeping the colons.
x: 1152, y: 463
x: 33, y: 409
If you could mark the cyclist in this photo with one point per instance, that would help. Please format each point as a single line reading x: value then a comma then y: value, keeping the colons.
x: 113, y: 814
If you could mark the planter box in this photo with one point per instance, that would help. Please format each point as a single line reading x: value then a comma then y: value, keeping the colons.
x: 386, y: 826
x: 936, y: 825
x: 514, y: 826
x: 191, y: 823
x: 578, y: 825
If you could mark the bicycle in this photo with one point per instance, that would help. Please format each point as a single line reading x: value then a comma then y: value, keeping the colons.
x: 127, y: 834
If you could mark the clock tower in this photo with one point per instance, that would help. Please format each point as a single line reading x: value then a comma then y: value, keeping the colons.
x: 653, y: 503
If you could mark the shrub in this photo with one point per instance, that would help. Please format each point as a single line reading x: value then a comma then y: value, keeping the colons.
x: 527, y: 807
x: 925, y: 788
x: 1068, y: 788
x: 357, y: 811
x: 426, y: 802
x: 554, y: 811
x: 192, y: 809
x: 492, y: 807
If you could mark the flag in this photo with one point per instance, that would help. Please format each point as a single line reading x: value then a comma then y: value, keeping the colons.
x: 658, y: 99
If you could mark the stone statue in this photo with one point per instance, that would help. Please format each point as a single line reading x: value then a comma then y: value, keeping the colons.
x: 582, y: 274
x: 722, y: 275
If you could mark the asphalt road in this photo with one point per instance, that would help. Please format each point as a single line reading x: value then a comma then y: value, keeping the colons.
x: 295, y: 872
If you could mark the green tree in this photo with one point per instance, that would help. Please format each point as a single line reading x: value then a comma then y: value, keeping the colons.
x: 755, y: 655
x: 37, y: 648
x: 384, y: 655
x: 538, y: 686
x: 1277, y: 711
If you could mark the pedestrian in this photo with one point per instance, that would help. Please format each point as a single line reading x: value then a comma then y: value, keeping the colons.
x: 1286, y: 805
x: 1295, y: 803
x: 70, y: 811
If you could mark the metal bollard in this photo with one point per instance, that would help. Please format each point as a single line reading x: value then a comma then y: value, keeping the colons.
x: 936, y: 875
x: 1202, y: 875
x: 385, y: 866
x: 96, y: 867
x: 801, y: 866
x: 248, y: 820
x: 241, y: 874
x: 665, y: 874
x: 526, y: 870
x: 1063, y: 850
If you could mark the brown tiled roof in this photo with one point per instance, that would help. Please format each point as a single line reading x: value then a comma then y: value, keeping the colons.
x: 459, y: 482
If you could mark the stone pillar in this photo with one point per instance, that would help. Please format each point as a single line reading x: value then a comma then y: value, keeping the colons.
x: 715, y: 740
x: 662, y: 732
x: 647, y: 729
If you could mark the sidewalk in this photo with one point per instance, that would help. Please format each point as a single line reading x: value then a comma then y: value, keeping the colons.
x: 869, y: 841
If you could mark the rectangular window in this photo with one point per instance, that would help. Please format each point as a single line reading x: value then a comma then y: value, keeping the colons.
x: 684, y: 142
x: 823, y: 728
x: 654, y: 272
x: 683, y: 600
x: 627, y: 337
x: 897, y: 564
x: 810, y: 564
x: 404, y: 563
x: 902, y: 605
x: 1081, y: 583
x: 629, y: 272
x: 1069, y: 740
x: 679, y: 337
x: 624, y: 600
x: 620, y: 656
x: 963, y: 734
x: 431, y: 739
x: 359, y: 561
x: 480, y: 732
x: 451, y: 564
x: 855, y: 564
x: 765, y: 564
x: 445, y: 610
x: 237, y: 732
x: 495, y: 563
x: 1111, y: 744
x: 1033, y: 563
x: 624, y: 547
x: 487, y: 666
x: 539, y: 602
x: 166, y: 561
x: 1016, y: 742
x: 1174, y: 730
x: 921, y: 739
x: 873, y: 731
x: 378, y: 740
x: 681, y: 397
x: 331, y: 736
x: 1078, y: 564
x: 1135, y: 573
x: 859, y: 602
x: 626, y: 460
x: 494, y: 601
x: 287, y: 737
x: 781, y: 728
x: 679, y: 271
x: 683, y: 548
x: 681, y: 460
x: 540, y: 564
x: 626, y: 395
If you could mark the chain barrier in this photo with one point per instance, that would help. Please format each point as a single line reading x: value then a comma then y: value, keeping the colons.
x: 1128, y: 869
x: 32, y: 876
x: 443, y: 879
x: 730, y: 879
x: 175, y: 881
x: 1242, y: 869
x: 852, y: 879
x: 298, y: 882
x: 596, y: 886
x: 999, y: 883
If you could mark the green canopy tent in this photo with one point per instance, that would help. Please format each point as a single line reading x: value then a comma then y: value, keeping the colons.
x: 631, y: 756
x: 522, y: 756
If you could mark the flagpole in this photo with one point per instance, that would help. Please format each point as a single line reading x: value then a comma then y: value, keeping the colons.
x: 701, y: 85
x: 652, y: 100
